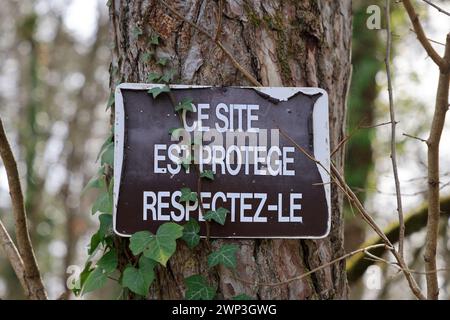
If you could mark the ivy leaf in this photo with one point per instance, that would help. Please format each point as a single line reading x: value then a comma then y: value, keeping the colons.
x: 163, y: 245
x: 168, y: 76
x: 96, y: 182
x: 139, y: 280
x: 198, y: 289
x: 105, y: 224
x: 139, y: 241
x: 190, y: 233
x: 156, y: 91
x: 83, y: 276
x: 175, y: 132
x: 103, y: 203
x: 146, y: 56
x: 110, y: 101
x: 136, y: 32
x: 108, y: 262
x: 162, y: 61
x: 208, y: 174
x: 187, y: 195
x: 154, y: 39
x: 153, y: 77
x: 96, y: 239
x: 159, y: 247
x: 226, y: 256
x: 218, y: 216
x: 95, y: 280
x: 186, y: 162
x: 242, y: 296
x: 185, y: 104
x: 108, y: 155
x: 99, y: 236
x: 105, y: 144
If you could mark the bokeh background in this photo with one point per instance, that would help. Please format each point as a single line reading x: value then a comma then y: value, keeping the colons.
x: 54, y: 91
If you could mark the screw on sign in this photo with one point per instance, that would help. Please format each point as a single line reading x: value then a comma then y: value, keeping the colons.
x: 248, y: 138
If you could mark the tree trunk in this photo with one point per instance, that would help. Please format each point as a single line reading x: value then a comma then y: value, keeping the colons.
x: 281, y: 43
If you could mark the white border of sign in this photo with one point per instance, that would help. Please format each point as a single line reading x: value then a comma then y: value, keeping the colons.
x: 320, y: 129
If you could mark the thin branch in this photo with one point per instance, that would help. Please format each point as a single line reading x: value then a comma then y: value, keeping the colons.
x: 437, y: 126
x: 443, y: 65
x: 431, y: 40
x: 14, y: 257
x: 37, y: 289
x: 437, y: 7
x: 246, y: 74
x: 219, y: 21
x: 336, y: 176
x: 415, y: 221
x: 414, y: 137
x: 393, y: 130
x: 284, y: 282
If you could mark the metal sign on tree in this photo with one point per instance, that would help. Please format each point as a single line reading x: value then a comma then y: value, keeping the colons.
x: 252, y: 146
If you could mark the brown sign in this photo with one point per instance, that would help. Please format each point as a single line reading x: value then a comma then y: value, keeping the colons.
x: 248, y: 137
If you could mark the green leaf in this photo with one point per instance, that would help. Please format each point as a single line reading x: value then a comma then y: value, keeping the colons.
x: 136, y: 32
x: 154, y: 39
x: 96, y: 239
x: 198, y: 289
x: 105, y: 144
x: 218, y: 216
x: 168, y: 76
x: 82, y: 279
x: 95, y: 280
x: 175, y: 132
x: 108, y: 262
x: 105, y: 224
x: 153, y: 77
x: 139, y: 280
x: 162, y: 61
x: 226, y: 256
x: 96, y: 182
x: 208, y: 174
x: 187, y: 195
x: 103, y: 203
x: 108, y: 155
x: 163, y: 245
x: 190, y: 233
x: 185, y: 104
x: 159, y: 247
x: 186, y: 162
x: 243, y: 296
x: 140, y: 241
x: 110, y: 101
x: 156, y: 91
x: 146, y: 56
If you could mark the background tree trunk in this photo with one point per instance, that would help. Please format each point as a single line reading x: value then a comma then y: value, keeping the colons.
x: 282, y: 43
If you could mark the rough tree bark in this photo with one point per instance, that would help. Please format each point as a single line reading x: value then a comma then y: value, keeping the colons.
x: 281, y: 43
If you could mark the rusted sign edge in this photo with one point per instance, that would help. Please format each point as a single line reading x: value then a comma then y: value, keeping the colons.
x: 320, y: 128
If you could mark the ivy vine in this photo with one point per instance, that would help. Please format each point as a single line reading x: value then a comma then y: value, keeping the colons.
x: 150, y: 250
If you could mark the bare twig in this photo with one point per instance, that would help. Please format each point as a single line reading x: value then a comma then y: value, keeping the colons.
x: 443, y: 65
x: 393, y: 130
x: 219, y: 21
x: 337, y: 178
x: 284, y: 282
x: 13, y: 257
x: 33, y: 276
x: 431, y: 40
x: 246, y: 74
x: 344, y: 141
x: 433, y: 142
x: 437, y: 7
x: 414, y: 137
